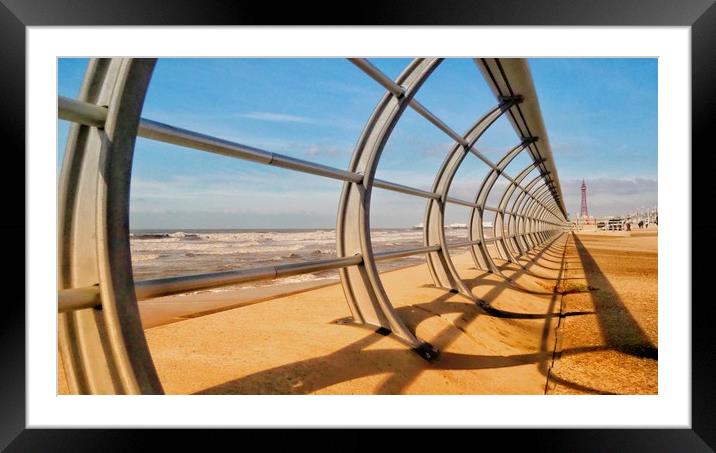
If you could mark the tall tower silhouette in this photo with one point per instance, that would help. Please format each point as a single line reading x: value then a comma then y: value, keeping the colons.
x: 584, y: 213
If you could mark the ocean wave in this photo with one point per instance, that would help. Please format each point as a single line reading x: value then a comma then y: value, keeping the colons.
x: 212, y: 248
x: 296, y: 279
x: 139, y: 237
x: 175, y: 235
x: 300, y: 279
x: 278, y: 236
x: 157, y: 253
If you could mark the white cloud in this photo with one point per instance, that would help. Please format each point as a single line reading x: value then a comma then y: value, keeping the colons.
x: 277, y: 117
x: 317, y: 149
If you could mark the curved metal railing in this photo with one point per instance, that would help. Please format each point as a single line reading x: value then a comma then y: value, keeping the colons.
x: 101, y: 338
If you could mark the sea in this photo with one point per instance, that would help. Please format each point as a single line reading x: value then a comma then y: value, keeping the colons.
x: 174, y: 252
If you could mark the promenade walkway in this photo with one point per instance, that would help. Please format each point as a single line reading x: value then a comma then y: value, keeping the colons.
x: 596, y: 334
x: 616, y: 349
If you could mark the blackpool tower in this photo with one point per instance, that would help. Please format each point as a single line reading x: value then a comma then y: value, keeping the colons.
x: 584, y: 213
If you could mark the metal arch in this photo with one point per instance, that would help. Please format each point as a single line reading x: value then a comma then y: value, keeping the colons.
x: 542, y: 202
x: 499, y: 220
x: 531, y: 206
x: 518, y: 207
x: 366, y: 297
x: 532, y: 210
x: 515, y: 228
x: 544, y: 222
x: 539, y: 200
x: 475, y: 226
x: 531, y: 218
x: 440, y: 264
x: 104, y: 349
x: 518, y: 219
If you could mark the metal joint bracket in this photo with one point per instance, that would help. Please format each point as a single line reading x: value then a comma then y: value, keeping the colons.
x: 517, y: 99
x: 400, y: 96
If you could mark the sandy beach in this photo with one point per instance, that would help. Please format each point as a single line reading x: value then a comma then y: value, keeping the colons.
x: 298, y: 339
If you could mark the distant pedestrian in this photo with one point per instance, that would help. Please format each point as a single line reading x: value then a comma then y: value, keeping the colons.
x: 628, y: 225
x: 641, y: 224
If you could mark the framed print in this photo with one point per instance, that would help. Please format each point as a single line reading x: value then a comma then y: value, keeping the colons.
x: 425, y: 218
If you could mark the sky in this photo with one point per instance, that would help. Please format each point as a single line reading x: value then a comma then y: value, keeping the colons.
x: 600, y: 114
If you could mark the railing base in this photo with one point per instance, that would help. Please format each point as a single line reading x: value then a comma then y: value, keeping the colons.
x: 427, y: 351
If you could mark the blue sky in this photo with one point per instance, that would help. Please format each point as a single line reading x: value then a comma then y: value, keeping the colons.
x: 600, y: 114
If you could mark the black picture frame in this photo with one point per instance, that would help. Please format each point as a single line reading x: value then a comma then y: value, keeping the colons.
x: 700, y: 15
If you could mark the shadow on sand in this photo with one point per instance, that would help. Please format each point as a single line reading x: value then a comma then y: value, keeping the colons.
x: 620, y: 330
x: 356, y: 361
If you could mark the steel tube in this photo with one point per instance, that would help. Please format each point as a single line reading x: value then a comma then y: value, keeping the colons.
x: 462, y: 244
x: 86, y: 297
x: 397, y: 90
x: 147, y: 289
x: 165, y: 133
x: 289, y: 269
x: 422, y: 110
x: 78, y: 298
x: 81, y: 112
x: 377, y: 75
x: 469, y: 204
x: 393, y: 254
x: 404, y: 189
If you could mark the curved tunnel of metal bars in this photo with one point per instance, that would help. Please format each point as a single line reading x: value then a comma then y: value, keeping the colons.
x: 101, y: 339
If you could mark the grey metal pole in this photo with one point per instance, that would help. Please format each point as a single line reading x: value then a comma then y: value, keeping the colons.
x: 104, y: 350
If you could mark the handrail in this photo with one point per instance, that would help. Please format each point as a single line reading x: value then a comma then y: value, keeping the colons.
x: 94, y: 115
x: 75, y: 298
